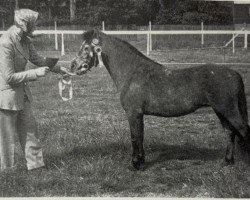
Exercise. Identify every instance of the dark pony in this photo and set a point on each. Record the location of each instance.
(148, 88)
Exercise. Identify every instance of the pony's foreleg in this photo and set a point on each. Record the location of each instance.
(137, 133)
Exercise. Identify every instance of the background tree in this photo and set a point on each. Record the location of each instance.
(16, 5)
(146, 10)
(72, 10)
(138, 12)
(194, 12)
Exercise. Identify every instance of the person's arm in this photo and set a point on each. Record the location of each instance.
(44, 61)
(7, 67)
(35, 58)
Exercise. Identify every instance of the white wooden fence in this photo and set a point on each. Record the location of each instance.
(149, 34)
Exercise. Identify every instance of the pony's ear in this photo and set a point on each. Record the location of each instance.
(96, 33)
(88, 36)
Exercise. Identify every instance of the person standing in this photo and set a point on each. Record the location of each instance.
(16, 117)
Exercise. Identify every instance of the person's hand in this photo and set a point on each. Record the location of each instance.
(42, 71)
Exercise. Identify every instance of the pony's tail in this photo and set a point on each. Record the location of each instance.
(243, 148)
(242, 102)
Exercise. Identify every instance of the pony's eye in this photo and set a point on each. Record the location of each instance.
(87, 48)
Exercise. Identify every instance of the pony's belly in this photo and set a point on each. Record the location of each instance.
(175, 108)
(171, 112)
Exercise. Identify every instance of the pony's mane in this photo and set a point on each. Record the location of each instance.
(89, 35)
(124, 43)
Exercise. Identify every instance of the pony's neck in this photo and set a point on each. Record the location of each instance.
(122, 59)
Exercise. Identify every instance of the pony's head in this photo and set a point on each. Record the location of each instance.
(89, 55)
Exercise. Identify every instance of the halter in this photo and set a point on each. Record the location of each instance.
(88, 67)
(98, 51)
(63, 82)
(66, 80)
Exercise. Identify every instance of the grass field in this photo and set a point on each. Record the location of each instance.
(87, 143)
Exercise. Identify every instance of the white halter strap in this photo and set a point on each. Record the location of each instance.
(62, 86)
(98, 51)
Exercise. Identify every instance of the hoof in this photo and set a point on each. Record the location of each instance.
(136, 165)
(142, 160)
(141, 167)
(227, 162)
(139, 164)
(131, 168)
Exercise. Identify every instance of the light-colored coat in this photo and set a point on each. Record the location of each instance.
(14, 55)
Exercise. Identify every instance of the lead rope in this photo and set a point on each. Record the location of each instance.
(63, 82)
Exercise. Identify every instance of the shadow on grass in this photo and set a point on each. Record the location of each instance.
(113, 150)
(183, 152)
(162, 153)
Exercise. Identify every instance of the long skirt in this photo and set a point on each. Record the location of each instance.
(23, 125)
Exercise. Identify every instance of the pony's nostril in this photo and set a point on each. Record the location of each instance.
(85, 66)
(72, 65)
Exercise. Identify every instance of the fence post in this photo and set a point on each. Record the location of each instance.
(63, 51)
(150, 36)
(233, 44)
(245, 41)
(56, 39)
(103, 26)
(3, 24)
(202, 34)
(148, 43)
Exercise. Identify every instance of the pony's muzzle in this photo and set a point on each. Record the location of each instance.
(83, 68)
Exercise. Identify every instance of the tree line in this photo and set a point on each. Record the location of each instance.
(137, 12)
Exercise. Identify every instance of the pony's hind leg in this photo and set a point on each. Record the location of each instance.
(241, 129)
(230, 132)
(229, 158)
(242, 143)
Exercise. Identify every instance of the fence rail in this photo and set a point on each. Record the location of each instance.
(149, 34)
(152, 32)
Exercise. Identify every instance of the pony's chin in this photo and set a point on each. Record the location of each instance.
(82, 71)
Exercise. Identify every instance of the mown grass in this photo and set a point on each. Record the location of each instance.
(87, 145)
